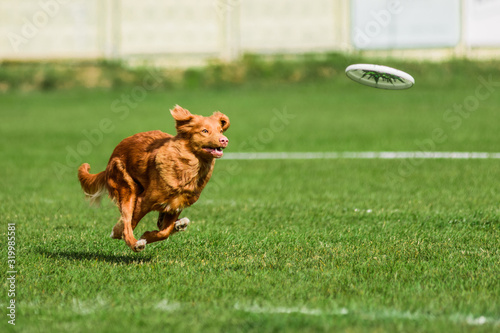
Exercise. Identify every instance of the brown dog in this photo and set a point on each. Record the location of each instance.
(157, 171)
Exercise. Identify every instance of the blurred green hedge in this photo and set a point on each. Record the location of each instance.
(29, 76)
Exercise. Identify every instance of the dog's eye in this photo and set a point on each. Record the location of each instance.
(205, 130)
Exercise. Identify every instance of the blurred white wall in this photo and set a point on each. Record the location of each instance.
(383, 24)
(225, 29)
(279, 25)
(39, 29)
(483, 23)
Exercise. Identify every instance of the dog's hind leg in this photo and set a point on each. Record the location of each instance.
(124, 193)
(117, 232)
(127, 209)
(139, 213)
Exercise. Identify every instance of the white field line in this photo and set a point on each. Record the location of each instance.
(88, 307)
(389, 155)
(371, 315)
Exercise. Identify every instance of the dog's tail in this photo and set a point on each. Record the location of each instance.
(94, 186)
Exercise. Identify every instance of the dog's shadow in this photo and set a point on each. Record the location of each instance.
(96, 256)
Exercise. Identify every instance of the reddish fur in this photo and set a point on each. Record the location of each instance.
(157, 171)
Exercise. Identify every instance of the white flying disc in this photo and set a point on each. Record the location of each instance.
(378, 76)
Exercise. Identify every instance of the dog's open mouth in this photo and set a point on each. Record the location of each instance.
(216, 152)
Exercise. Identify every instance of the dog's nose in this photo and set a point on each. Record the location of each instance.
(224, 141)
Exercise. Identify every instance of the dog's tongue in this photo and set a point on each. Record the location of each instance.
(216, 152)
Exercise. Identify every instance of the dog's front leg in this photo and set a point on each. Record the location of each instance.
(168, 224)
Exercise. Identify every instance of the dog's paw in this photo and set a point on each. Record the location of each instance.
(181, 225)
(140, 245)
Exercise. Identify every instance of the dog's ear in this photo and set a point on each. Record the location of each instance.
(183, 117)
(181, 114)
(223, 119)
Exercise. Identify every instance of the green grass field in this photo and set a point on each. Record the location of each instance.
(275, 245)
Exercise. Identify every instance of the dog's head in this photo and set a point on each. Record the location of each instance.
(204, 134)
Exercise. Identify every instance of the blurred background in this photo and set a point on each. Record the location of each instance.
(117, 58)
(186, 33)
